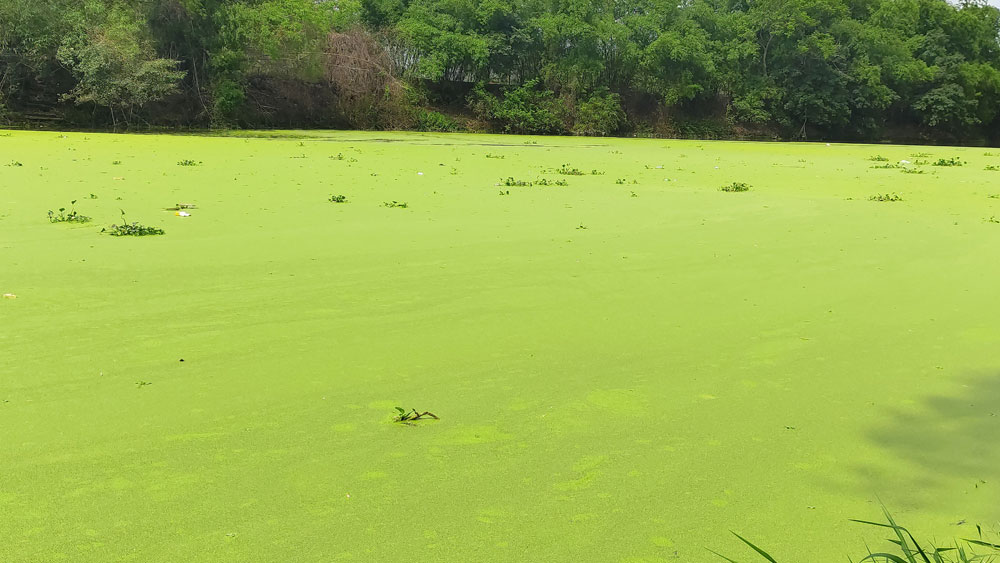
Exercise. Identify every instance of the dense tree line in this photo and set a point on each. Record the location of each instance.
(865, 69)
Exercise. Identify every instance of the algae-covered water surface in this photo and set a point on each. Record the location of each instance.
(626, 361)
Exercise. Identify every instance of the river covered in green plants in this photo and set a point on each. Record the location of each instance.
(627, 362)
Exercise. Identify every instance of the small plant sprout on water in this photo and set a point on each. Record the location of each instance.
(565, 170)
(511, 182)
(736, 187)
(72, 217)
(886, 197)
(547, 182)
(408, 417)
(338, 198)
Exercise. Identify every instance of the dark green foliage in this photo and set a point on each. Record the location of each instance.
(133, 229)
(886, 197)
(879, 158)
(768, 68)
(528, 109)
(736, 187)
(435, 121)
(912, 171)
(187, 162)
(14, 163)
(394, 203)
(992, 168)
(889, 165)
(112, 56)
(72, 217)
(599, 115)
(338, 198)
(953, 161)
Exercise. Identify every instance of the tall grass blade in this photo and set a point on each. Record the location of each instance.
(723, 556)
(879, 524)
(899, 534)
(755, 548)
(919, 549)
(887, 557)
(983, 543)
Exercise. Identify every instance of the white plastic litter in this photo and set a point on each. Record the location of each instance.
(182, 214)
(9, 296)
(904, 161)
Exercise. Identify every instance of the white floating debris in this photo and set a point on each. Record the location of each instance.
(904, 161)
(9, 296)
(182, 214)
(420, 173)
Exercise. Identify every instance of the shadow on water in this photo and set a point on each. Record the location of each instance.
(942, 446)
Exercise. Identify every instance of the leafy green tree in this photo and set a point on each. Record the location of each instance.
(601, 114)
(527, 109)
(113, 60)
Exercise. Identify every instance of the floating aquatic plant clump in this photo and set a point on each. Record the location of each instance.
(72, 217)
(133, 229)
(736, 187)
